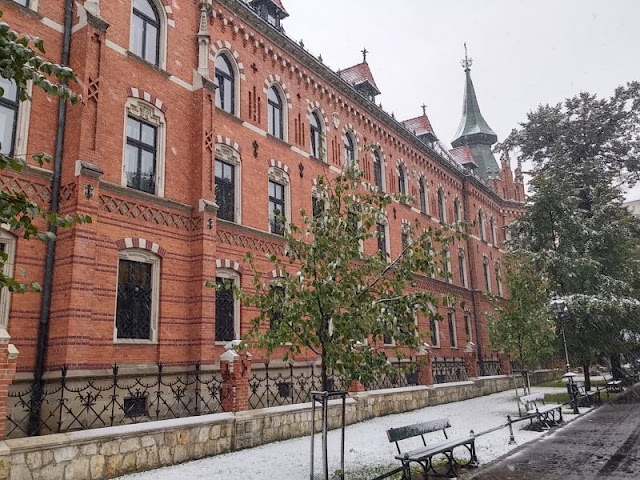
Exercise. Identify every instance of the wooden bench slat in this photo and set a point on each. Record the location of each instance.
(409, 431)
(430, 450)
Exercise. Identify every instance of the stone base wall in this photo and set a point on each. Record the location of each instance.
(105, 453)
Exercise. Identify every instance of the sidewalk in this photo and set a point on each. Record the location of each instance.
(367, 448)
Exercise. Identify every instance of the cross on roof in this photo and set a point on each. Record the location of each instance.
(467, 62)
(424, 109)
(364, 54)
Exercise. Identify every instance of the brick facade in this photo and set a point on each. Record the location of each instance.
(180, 226)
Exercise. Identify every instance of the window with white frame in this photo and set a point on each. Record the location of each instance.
(462, 267)
(138, 296)
(457, 217)
(442, 211)
(468, 330)
(14, 118)
(276, 113)
(226, 84)
(144, 147)
(487, 275)
(492, 226)
(227, 183)
(149, 32)
(446, 264)
(8, 251)
(378, 170)
(316, 135)
(481, 225)
(451, 321)
(424, 205)
(227, 321)
(279, 200)
(349, 150)
(498, 279)
(382, 237)
(402, 180)
(434, 329)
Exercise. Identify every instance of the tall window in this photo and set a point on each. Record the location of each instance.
(456, 213)
(377, 170)
(275, 316)
(137, 296)
(317, 206)
(423, 196)
(145, 31)
(492, 227)
(451, 320)
(7, 247)
(275, 113)
(349, 151)
(435, 337)
(225, 81)
(225, 330)
(382, 237)
(462, 268)
(225, 190)
(402, 185)
(446, 264)
(406, 240)
(441, 206)
(498, 279)
(277, 210)
(487, 278)
(140, 157)
(467, 326)
(316, 135)
(481, 225)
(8, 116)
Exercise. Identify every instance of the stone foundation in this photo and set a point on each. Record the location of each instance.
(109, 452)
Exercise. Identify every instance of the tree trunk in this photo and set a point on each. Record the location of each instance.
(587, 377)
(616, 369)
(323, 372)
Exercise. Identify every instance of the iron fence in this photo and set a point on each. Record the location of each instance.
(446, 370)
(489, 366)
(400, 374)
(69, 404)
(272, 387)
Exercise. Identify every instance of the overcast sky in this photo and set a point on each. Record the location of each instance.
(525, 52)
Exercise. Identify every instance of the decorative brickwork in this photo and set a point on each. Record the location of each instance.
(147, 97)
(155, 216)
(230, 264)
(249, 243)
(142, 244)
(35, 191)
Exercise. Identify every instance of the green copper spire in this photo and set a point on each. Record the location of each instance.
(473, 130)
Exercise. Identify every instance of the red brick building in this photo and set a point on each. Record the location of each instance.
(179, 100)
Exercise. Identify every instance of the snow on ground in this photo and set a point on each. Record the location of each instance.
(366, 443)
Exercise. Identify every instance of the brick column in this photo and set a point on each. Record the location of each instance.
(236, 369)
(424, 362)
(505, 363)
(356, 386)
(470, 360)
(8, 356)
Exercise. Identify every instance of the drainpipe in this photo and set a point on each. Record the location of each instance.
(472, 278)
(45, 306)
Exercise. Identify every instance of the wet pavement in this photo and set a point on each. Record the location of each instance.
(604, 444)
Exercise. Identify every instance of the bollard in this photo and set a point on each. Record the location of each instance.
(512, 439)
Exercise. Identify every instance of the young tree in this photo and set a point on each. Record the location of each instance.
(337, 301)
(523, 325)
(21, 62)
(584, 152)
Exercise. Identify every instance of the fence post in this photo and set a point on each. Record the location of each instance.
(236, 370)
(470, 360)
(505, 364)
(8, 357)
(424, 364)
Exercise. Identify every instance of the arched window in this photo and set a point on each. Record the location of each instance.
(498, 278)
(316, 135)
(423, 196)
(492, 226)
(275, 110)
(225, 81)
(349, 151)
(402, 180)
(145, 31)
(377, 170)
(456, 213)
(462, 268)
(227, 307)
(441, 207)
(481, 225)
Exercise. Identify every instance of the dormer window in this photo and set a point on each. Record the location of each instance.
(271, 11)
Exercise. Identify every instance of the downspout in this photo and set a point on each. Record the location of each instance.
(472, 279)
(45, 306)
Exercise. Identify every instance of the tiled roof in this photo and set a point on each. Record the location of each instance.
(278, 4)
(419, 125)
(463, 155)
(359, 74)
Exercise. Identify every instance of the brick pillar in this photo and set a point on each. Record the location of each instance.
(505, 363)
(424, 362)
(356, 386)
(236, 369)
(8, 356)
(470, 360)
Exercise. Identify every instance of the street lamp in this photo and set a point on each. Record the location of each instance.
(562, 312)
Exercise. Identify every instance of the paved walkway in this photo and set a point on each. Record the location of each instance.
(602, 445)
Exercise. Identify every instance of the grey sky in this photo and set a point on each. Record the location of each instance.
(525, 52)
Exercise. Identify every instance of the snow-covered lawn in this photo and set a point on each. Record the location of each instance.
(367, 446)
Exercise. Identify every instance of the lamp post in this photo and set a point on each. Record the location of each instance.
(562, 312)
